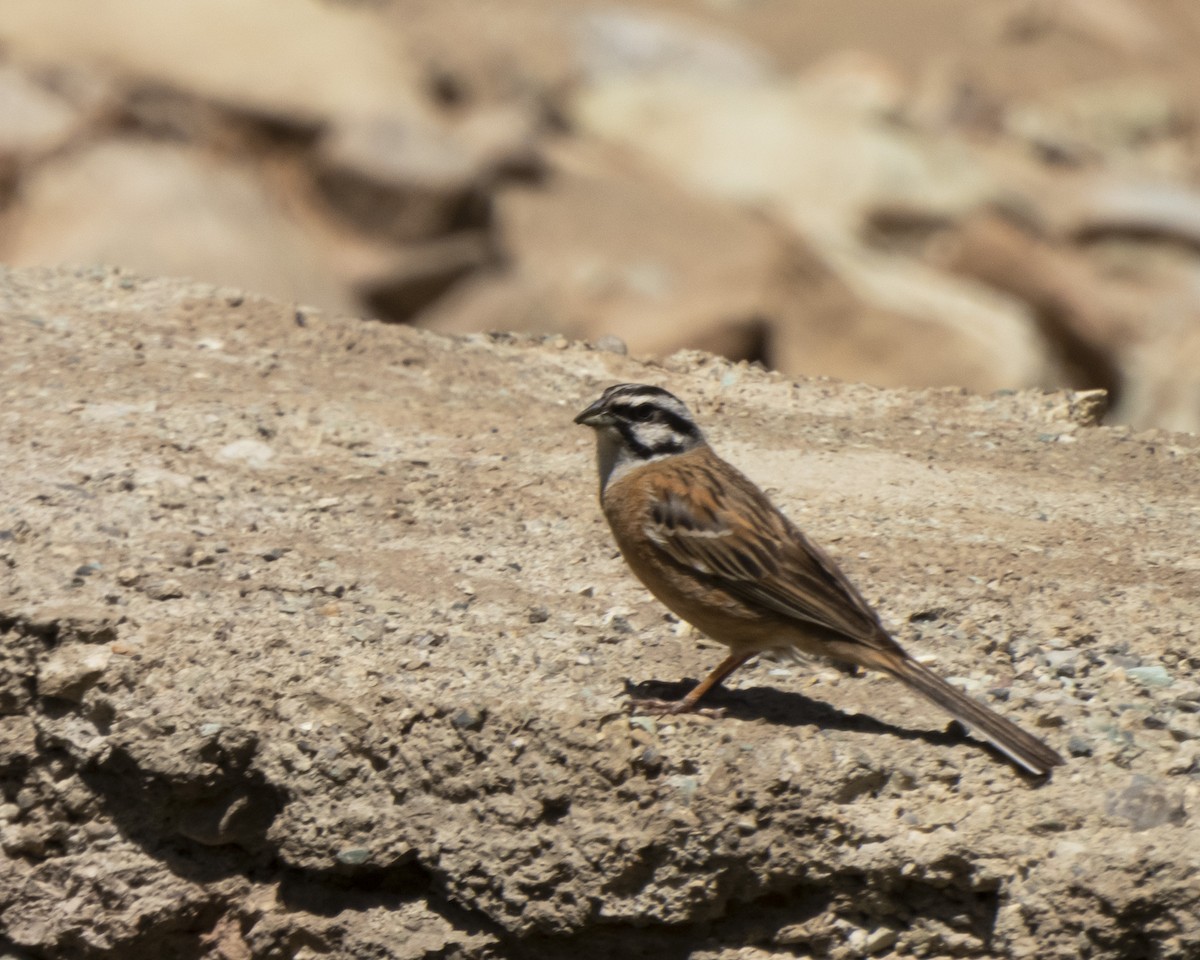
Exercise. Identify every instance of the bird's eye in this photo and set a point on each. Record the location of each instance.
(643, 413)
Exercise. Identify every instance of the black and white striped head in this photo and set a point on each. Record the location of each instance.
(636, 423)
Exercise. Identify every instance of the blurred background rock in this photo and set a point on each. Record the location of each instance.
(993, 195)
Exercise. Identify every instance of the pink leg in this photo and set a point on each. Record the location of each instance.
(689, 703)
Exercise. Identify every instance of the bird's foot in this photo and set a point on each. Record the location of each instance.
(670, 708)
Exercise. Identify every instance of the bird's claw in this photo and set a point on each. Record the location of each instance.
(670, 708)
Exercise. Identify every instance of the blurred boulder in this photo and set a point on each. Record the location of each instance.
(33, 119)
(398, 180)
(820, 152)
(402, 179)
(614, 42)
(398, 283)
(1086, 319)
(909, 324)
(1140, 209)
(815, 190)
(299, 60)
(821, 155)
(1121, 26)
(1121, 312)
(593, 252)
(1164, 380)
(166, 209)
(1094, 122)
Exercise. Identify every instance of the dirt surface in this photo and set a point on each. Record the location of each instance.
(315, 644)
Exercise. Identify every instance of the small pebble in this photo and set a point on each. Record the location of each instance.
(167, 589)
(857, 942)
(1145, 803)
(1186, 759)
(354, 856)
(880, 939)
(1156, 676)
(620, 624)
(684, 784)
(610, 343)
(1079, 747)
(1063, 662)
(253, 453)
(1184, 726)
(471, 719)
(367, 632)
(71, 670)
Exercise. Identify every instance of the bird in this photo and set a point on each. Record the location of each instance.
(712, 548)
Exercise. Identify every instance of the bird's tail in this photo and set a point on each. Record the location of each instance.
(1024, 748)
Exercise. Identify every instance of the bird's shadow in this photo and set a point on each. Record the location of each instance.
(789, 709)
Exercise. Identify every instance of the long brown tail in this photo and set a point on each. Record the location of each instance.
(1004, 735)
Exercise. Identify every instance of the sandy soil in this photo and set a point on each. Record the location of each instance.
(316, 644)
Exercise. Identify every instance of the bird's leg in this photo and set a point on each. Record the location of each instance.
(689, 703)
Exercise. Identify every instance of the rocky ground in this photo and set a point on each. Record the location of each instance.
(315, 644)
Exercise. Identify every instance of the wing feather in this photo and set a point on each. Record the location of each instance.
(715, 525)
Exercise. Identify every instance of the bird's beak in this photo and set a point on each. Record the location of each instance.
(596, 415)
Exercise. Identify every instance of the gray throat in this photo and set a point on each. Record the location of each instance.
(615, 457)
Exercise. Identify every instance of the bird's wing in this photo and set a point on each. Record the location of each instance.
(720, 525)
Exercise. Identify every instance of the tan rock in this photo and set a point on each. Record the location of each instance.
(817, 155)
(398, 180)
(33, 120)
(302, 60)
(69, 670)
(167, 209)
(593, 252)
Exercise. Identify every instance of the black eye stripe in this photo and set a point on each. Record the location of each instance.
(645, 412)
(644, 451)
(635, 411)
(680, 424)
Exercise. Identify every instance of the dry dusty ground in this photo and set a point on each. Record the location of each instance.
(315, 644)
